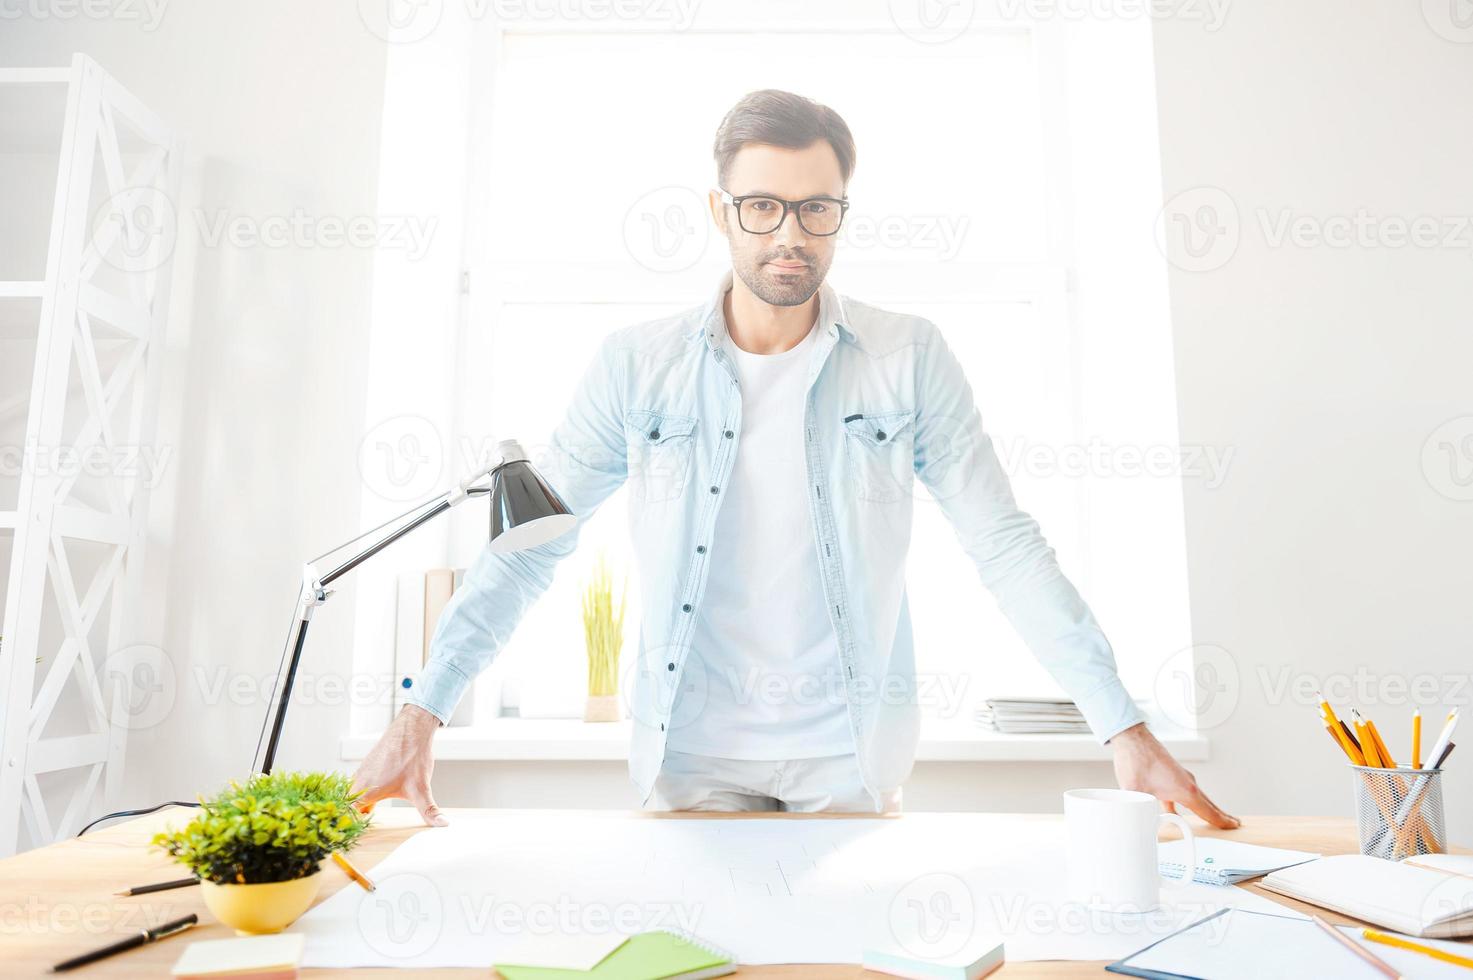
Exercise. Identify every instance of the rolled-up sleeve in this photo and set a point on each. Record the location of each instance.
(585, 463)
(955, 460)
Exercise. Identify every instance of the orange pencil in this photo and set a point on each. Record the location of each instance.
(1381, 748)
(1328, 711)
(1416, 738)
(1371, 959)
(353, 872)
(1349, 750)
(1367, 745)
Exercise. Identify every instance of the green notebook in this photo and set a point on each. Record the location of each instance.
(647, 956)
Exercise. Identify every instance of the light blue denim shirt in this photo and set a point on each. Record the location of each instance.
(888, 411)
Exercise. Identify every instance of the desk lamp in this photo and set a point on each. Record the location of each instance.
(525, 512)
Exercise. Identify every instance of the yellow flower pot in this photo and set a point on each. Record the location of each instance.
(253, 910)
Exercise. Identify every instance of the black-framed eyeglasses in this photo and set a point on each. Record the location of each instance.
(761, 214)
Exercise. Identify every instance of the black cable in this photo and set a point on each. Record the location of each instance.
(133, 813)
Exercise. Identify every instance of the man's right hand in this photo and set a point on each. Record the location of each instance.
(399, 766)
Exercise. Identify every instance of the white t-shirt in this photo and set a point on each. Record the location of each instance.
(763, 672)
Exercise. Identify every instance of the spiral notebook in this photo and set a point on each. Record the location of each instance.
(647, 956)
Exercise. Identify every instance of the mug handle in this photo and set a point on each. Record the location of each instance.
(1186, 833)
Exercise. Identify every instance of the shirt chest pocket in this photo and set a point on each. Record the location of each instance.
(880, 451)
(660, 446)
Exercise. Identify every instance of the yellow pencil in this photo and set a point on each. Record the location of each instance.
(1351, 749)
(1325, 707)
(1416, 738)
(353, 872)
(1367, 745)
(1381, 748)
(1400, 943)
(1345, 746)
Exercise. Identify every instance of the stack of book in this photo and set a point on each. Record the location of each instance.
(1031, 716)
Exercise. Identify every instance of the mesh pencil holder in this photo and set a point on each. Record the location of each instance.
(1399, 811)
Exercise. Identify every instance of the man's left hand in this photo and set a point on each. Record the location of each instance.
(1143, 764)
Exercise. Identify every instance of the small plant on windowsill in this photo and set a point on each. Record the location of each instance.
(603, 636)
(258, 847)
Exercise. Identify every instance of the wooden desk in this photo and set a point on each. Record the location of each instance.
(58, 901)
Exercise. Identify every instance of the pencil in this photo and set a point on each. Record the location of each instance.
(1368, 746)
(1416, 738)
(1381, 748)
(1356, 948)
(1325, 707)
(353, 872)
(1400, 943)
(1350, 751)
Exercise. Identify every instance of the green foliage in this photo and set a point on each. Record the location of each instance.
(274, 828)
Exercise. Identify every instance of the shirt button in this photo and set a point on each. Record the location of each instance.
(880, 435)
(669, 666)
(728, 433)
(713, 490)
(700, 549)
(654, 433)
(685, 608)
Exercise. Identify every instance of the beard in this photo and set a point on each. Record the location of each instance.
(777, 289)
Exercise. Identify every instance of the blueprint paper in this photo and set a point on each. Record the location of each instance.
(766, 890)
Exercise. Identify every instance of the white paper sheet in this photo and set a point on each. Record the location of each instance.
(1278, 947)
(770, 891)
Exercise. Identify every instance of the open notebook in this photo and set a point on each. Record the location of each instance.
(1227, 862)
(1430, 895)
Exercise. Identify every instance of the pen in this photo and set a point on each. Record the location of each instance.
(1356, 948)
(1444, 737)
(160, 886)
(1400, 943)
(353, 872)
(132, 942)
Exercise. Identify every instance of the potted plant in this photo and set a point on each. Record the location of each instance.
(258, 847)
(603, 636)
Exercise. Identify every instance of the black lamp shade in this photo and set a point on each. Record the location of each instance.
(525, 511)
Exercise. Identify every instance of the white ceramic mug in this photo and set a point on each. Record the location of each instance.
(1113, 862)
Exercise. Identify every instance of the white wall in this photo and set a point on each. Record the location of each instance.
(1329, 549)
(279, 103)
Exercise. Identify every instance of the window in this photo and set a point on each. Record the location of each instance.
(1006, 185)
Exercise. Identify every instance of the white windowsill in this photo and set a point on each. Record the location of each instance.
(570, 740)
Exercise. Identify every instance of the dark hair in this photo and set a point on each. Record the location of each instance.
(778, 118)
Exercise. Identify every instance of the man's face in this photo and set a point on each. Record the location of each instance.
(787, 266)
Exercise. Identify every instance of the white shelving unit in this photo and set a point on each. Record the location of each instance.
(84, 293)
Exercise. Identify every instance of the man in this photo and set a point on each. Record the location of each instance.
(771, 439)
